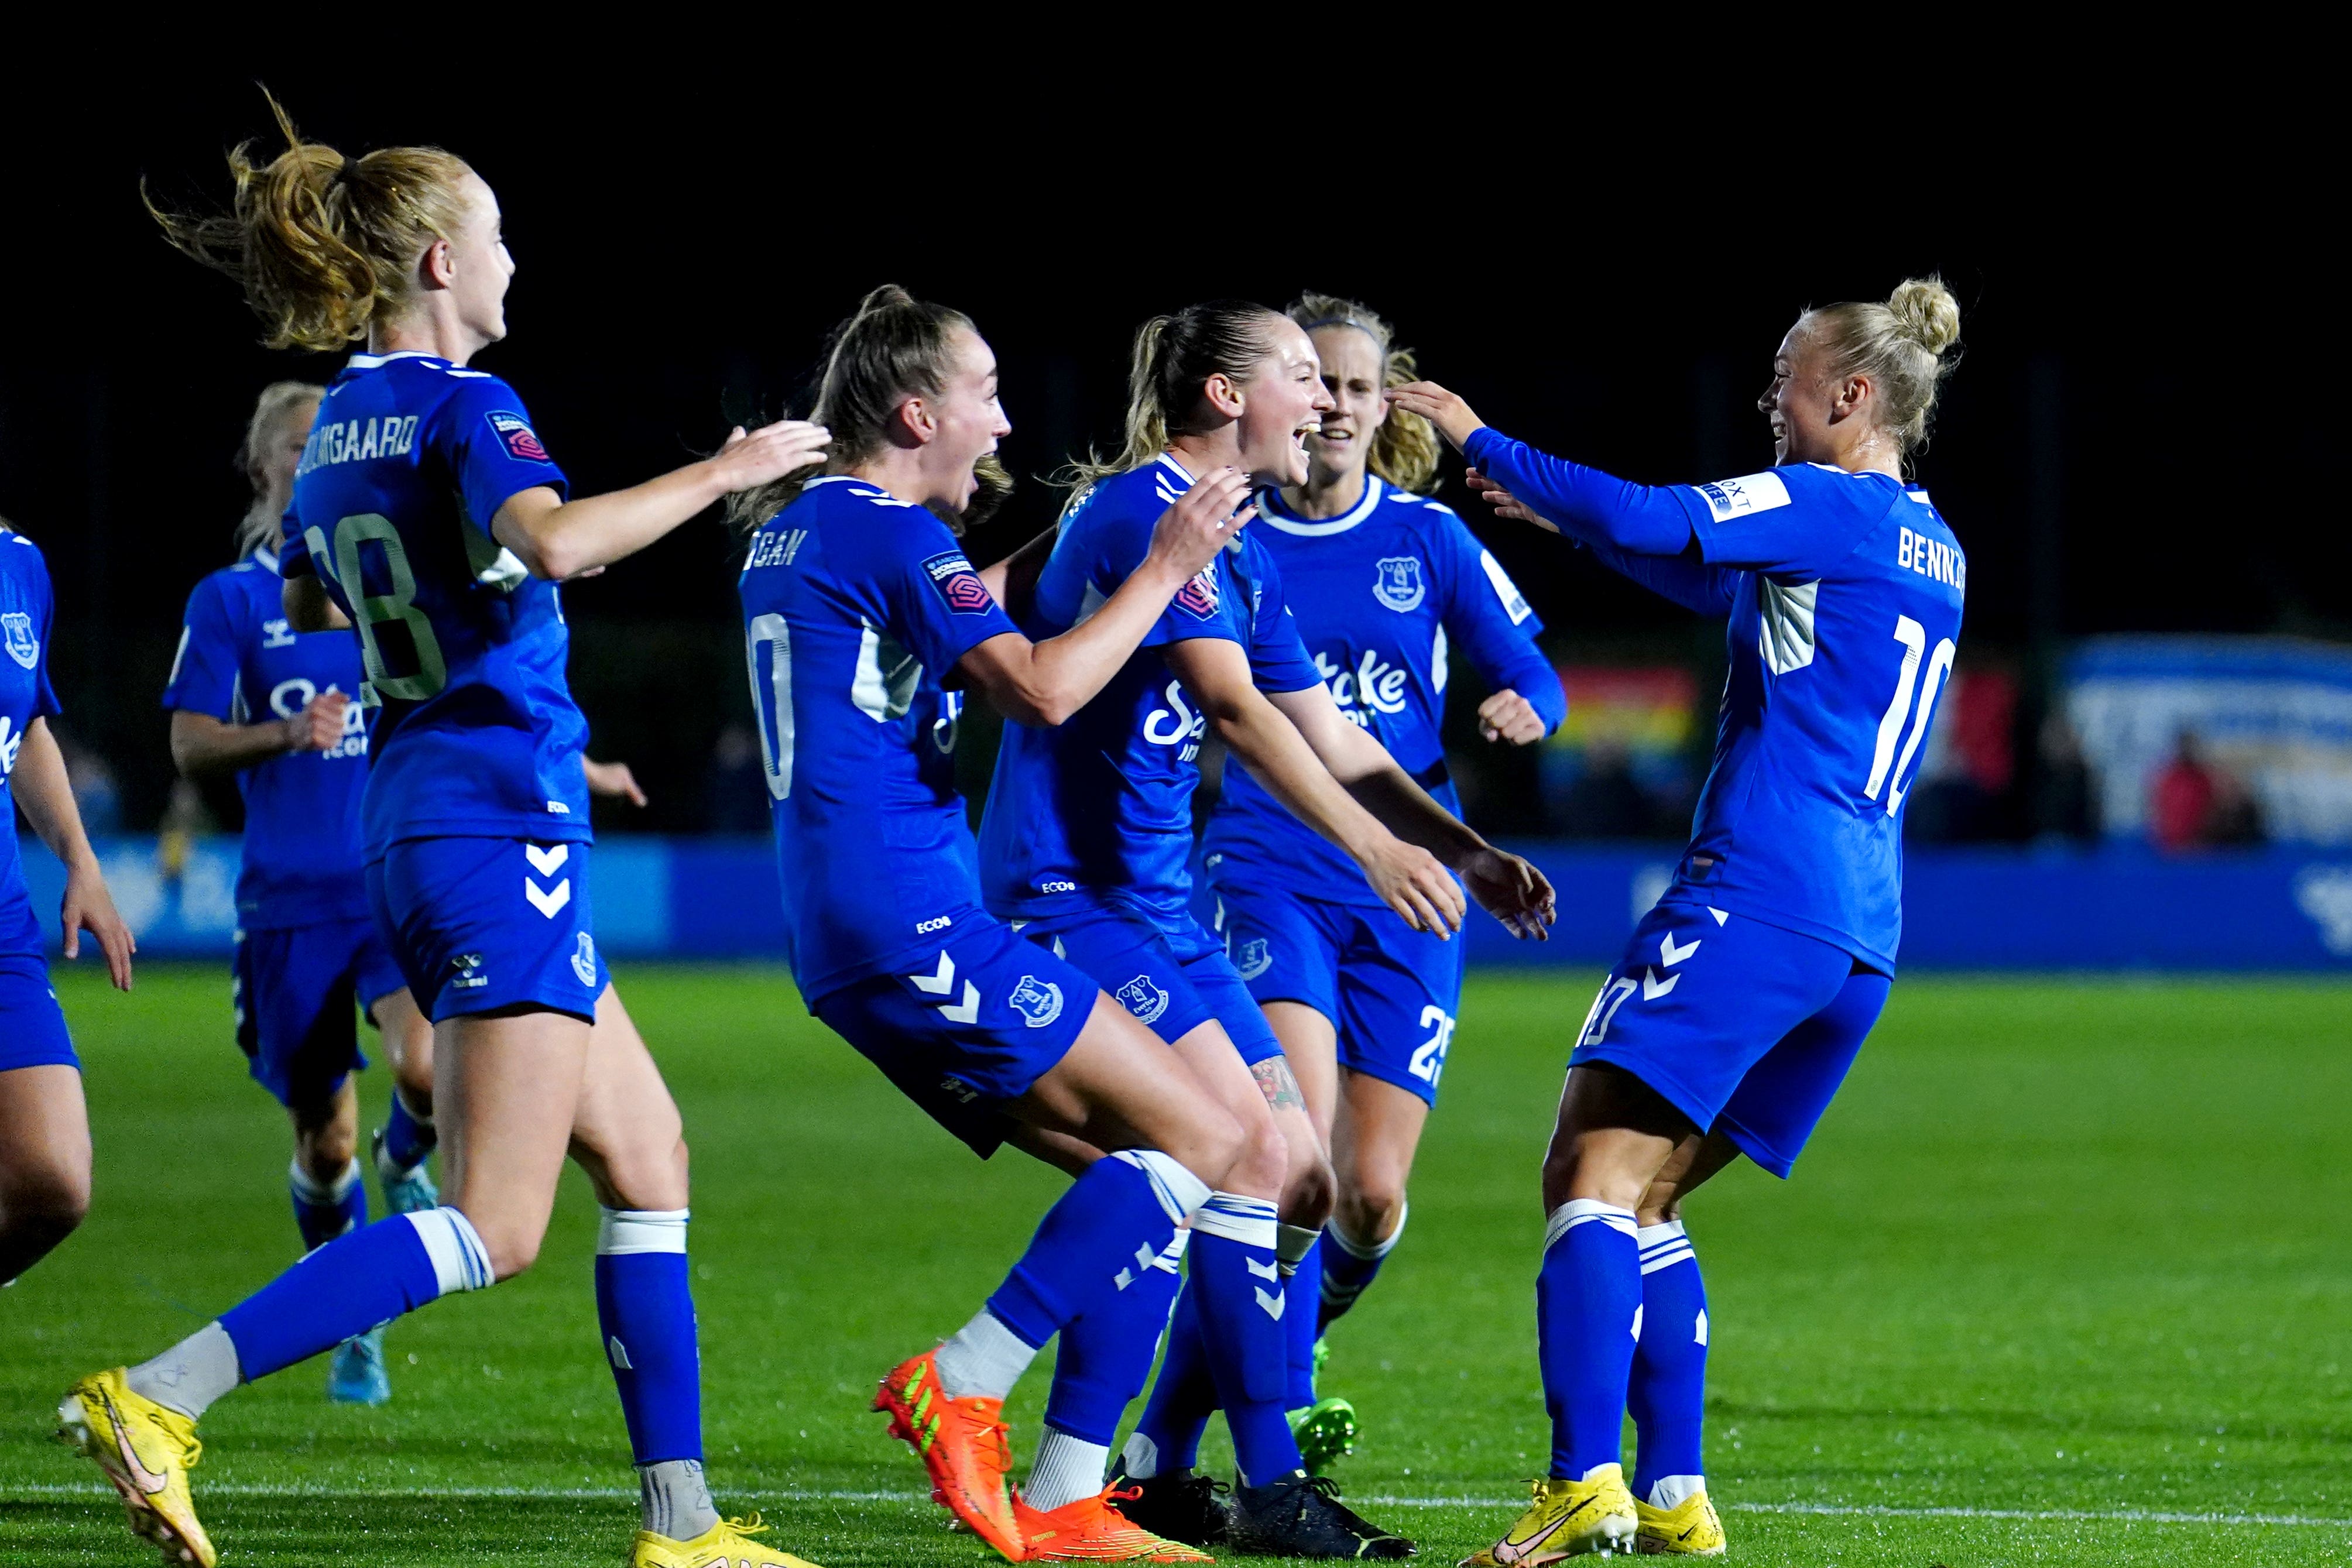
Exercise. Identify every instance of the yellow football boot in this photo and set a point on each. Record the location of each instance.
(726, 1544)
(1690, 1529)
(146, 1450)
(1566, 1518)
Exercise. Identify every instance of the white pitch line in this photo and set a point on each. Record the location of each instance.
(615, 1494)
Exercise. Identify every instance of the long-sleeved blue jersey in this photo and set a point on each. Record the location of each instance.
(1379, 593)
(1845, 593)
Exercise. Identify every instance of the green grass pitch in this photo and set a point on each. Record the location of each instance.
(2066, 1276)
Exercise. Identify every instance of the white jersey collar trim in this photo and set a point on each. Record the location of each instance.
(1181, 472)
(1270, 509)
(268, 560)
(370, 362)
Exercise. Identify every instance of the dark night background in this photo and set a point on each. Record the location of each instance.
(2141, 437)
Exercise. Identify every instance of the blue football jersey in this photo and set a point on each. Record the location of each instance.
(1380, 594)
(26, 609)
(1845, 593)
(855, 605)
(477, 736)
(1101, 806)
(240, 662)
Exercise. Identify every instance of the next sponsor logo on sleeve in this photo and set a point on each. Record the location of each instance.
(514, 432)
(1731, 499)
(960, 586)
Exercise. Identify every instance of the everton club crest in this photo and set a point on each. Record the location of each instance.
(23, 647)
(1398, 586)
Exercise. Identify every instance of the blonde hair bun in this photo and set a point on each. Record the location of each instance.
(1926, 312)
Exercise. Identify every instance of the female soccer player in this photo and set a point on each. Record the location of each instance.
(1086, 842)
(427, 511)
(1745, 995)
(1380, 581)
(858, 601)
(43, 1126)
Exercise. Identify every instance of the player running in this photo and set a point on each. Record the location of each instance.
(43, 1125)
(858, 601)
(1745, 993)
(1381, 581)
(250, 696)
(1086, 843)
(427, 511)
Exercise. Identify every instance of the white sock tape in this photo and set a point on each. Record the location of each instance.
(1586, 1210)
(1180, 1193)
(460, 1261)
(621, 1232)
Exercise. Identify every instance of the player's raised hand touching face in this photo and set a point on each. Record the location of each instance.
(1513, 892)
(768, 452)
(1453, 417)
(1202, 522)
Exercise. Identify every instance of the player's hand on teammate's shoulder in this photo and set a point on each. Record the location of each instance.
(320, 725)
(1507, 715)
(757, 457)
(1505, 505)
(613, 780)
(1201, 521)
(1445, 410)
(1416, 884)
(1513, 890)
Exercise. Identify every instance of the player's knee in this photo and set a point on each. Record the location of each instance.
(326, 1153)
(1264, 1161)
(1309, 1188)
(1368, 1210)
(510, 1248)
(47, 1200)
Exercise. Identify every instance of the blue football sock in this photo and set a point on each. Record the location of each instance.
(1168, 1437)
(1242, 1305)
(1350, 1266)
(1114, 1220)
(1300, 1251)
(349, 1286)
(1588, 1301)
(1667, 1394)
(324, 1210)
(1105, 1353)
(644, 1308)
(408, 1140)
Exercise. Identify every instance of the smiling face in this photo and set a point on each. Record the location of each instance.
(475, 266)
(966, 420)
(1800, 403)
(1283, 404)
(1353, 373)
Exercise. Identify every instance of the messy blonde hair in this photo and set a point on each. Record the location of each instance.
(1404, 448)
(894, 347)
(258, 529)
(1169, 368)
(324, 243)
(1903, 346)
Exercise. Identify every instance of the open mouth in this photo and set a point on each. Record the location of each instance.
(1299, 436)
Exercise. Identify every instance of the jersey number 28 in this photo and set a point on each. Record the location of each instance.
(372, 611)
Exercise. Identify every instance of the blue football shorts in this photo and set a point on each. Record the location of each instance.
(966, 1031)
(1391, 992)
(478, 924)
(32, 1027)
(295, 991)
(1170, 974)
(1741, 1025)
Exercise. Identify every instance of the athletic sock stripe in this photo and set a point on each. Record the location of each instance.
(1586, 1211)
(624, 1231)
(1376, 1250)
(460, 1262)
(1249, 1220)
(1666, 1260)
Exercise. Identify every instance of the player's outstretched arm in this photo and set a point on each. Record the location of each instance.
(1505, 886)
(43, 789)
(1689, 582)
(559, 539)
(1409, 879)
(204, 747)
(1046, 683)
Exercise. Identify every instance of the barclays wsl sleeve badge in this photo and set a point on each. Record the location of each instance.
(516, 435)
(23, 647)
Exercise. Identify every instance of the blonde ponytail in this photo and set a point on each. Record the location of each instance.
(1904, 346)
(323, 244)
(1170, 363)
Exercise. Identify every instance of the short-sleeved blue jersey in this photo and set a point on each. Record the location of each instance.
(240, 662)
(1379, 593)
(28, 606)
(1101, 806)
(855, 605)
(408, 461)
(1845, 593)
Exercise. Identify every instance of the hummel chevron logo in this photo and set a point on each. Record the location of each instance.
(549, 901)
(969, 1012)
(1652, 987)
(547, 860)
(1264, 1270)
(940, 983)
(1673, 955)
(1272, 1304)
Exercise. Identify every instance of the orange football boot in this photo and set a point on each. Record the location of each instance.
(1092, 1530)
(964, 1445)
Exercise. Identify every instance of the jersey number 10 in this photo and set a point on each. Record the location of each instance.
(1914, 638)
